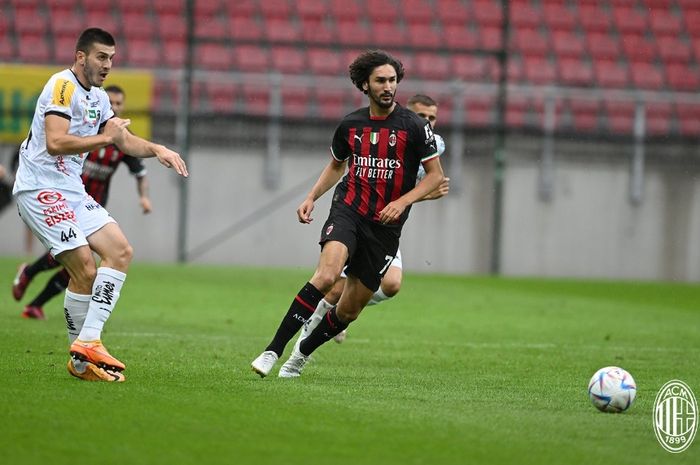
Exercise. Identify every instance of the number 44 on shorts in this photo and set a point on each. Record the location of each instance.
(67, 237)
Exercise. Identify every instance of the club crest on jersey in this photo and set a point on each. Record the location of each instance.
(374, 138)
(392, 139)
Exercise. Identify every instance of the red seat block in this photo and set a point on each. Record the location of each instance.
(325, 61)
(647, 76)
(289, 60)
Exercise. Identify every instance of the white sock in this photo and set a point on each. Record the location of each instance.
(105, 293)
(75, 309)
(322, 308)
(378, 297)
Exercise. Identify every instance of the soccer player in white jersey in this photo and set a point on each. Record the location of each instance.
(390, 285)
(73, 117)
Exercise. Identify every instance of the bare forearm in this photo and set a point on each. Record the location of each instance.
(67, 144)
(137, 147)
(424, 188)
(329, 177)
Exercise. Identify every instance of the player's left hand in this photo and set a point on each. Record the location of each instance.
(392, 212)
(172, 160)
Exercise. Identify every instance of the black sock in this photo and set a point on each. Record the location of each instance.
(57, 284)
(329, 327)
(43, 263)
(303, 306)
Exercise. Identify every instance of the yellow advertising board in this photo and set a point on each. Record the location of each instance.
(20, 86)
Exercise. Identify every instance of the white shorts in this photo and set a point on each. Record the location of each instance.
(61, 220)
(395, 262)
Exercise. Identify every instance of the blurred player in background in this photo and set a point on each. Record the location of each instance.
(98, 169)
(383, 145)
(426, 108)
(72, 117)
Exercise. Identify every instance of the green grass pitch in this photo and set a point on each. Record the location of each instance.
(455, 370)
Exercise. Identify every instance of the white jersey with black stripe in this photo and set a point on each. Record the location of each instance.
(440, 142)
(86, 109)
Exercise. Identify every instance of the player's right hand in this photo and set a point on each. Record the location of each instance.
(115, 129)
(304, 211)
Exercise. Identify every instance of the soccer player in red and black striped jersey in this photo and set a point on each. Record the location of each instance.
(382, 146)
(98, 169)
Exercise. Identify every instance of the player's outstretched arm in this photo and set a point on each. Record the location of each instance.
(138, 147)
(329, 177)
(442, 190)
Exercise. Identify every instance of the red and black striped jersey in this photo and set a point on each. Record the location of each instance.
(383, 154)
(99, 167)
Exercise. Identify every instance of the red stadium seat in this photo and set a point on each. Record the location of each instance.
(281, 30)
(575, 72)
(211, 28)
(517, 109)
(143, 53)
(205, 9)
(381, 11)
(459, 37)
(487, 13)
(172, 27)
(221, 96)
(603, 46)
(251, 58)
(325, 61)
(106, 21)
(64, 50)
(540, 70)
(174, 53)
(243, 28)
(559, 16)
(388, 34)
(673, 50)
(7, 47)
(568, 45)
(472, 68)
(343, 10)
(620, 116)
(452, 12)
(658, 118)
(480, 110)
(433, 66)
(66, 24)
(296, 102)
(611, 74)
(688, 118)
(169, 7)
(692, 22)
(30, 24)
(424, 35)
(638, 48)
(353, 33)
(529, 42)
(629, 20)
(318, 31)
(33, 49)
(280, 9)
(288, 60)
(312, 8)
(242, 8)
(130, 6)
(594, 19)
(138, 26)
(525, 15)
(647, 76)
(331, 103)
(683, 78)
(416, 11)
(256, 99)
(491, 38)
(663, 22)
(213, 57)
(585, 114)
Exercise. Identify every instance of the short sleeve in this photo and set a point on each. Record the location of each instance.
(340, 148)
(136, 166)
(60, 98)
(426, 145)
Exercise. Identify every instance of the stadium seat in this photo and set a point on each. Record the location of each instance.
(525, 15)
(568, 45)
(30, 24)
(388, 34)
(459, 37)
(487, 13)
(696, 48)
(211, 28)
(529, 42)
(64, 50)
(330, 102)
(66, 24)
(318, 31)
(251, 58)
(288, 60)
(104, 20)
(143, 53)
(646, 76)
(416, 11)
(664, 22)
(594, 19)
(692, 22)
(256, 99)
(491, 38)
(343, 10)
(682, 77)
(33, 49)
(473, 68)
(174, 53)
(584, 114)
(674, 50)
(603, 46)
(7, 47)
(281, 30)
(479, 110)
(221, 96)
(169, 7)
(279, 9)
(325, 61)
(688, 118)
(5, 25)
(452, 13)
(317, 9)
(517, 110)
(213, 57)
(353, 32)
(296, 102)
(539, 70)
(130, 6)
(638, 48)
(573, 72)
(171, 27)
(423, 35)
(611, 74)
(381, 11)
(138, 26)
(241, 8)
(206, 9)
(243, 28)
(433, 66)
(658, 118)
(629, 21)
(559, 17)
(620, 116)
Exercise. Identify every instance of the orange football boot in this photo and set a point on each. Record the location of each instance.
(94, 352)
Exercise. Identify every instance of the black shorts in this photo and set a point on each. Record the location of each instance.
(371, 246)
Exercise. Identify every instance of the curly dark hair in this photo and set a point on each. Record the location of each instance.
(362, 67)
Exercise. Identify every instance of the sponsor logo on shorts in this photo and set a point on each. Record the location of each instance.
(50, 197)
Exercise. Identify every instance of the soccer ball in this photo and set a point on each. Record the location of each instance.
(612, 389)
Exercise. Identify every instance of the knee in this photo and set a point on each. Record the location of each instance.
(391, 286)
(347, 314)
(84, 276)
(121, 256)
(324, 279)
